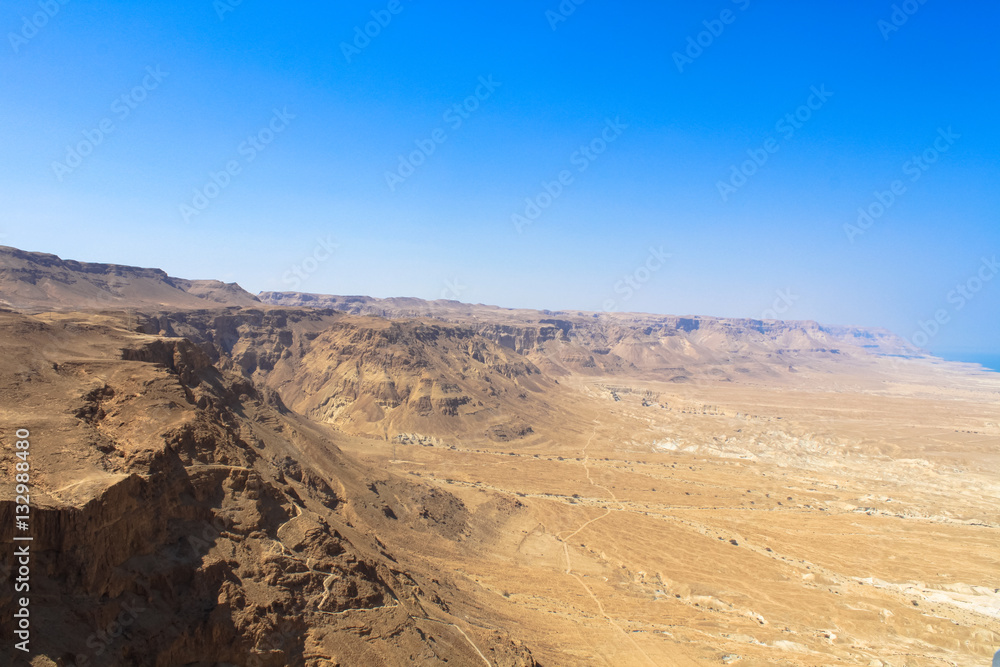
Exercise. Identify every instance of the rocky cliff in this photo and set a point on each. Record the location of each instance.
(370, 376)
(182, 516)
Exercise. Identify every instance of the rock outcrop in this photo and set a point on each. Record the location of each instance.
(180, 518)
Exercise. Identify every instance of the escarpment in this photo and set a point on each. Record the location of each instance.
(181, 518)
(368, 376)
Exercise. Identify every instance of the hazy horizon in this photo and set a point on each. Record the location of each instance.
(730, 159)
(985, 358)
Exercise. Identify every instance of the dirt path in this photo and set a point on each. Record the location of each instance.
(569, 566)
(461, 631)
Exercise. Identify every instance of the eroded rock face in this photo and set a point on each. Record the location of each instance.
(361, 373)
(181, 518)
(655, 347)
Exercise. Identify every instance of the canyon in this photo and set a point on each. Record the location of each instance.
(318, 480)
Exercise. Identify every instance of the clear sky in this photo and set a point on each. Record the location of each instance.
(704, 157)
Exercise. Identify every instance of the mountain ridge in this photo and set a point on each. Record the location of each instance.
(22, 270)
(38, 281)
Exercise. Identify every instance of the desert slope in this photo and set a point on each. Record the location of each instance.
(238, 530)
(350, 481)
(39, 281)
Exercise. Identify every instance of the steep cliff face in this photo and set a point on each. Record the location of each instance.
(371, 376)
(182, 517)
(523, 339)
(428, 378)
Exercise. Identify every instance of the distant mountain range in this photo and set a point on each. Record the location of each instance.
(608, 342)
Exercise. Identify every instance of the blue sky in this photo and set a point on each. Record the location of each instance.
(656, 151)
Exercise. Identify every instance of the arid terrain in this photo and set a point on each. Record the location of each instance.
(295, 479)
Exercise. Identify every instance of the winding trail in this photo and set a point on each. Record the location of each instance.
(586, 468)
(569, 566)
(471, 643)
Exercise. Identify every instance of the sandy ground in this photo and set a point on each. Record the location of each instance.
(825, 523)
